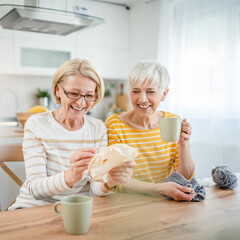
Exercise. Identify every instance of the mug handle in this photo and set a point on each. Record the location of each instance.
(55, 208)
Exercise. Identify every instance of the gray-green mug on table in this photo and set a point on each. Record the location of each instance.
(76, 213)
(170, 129)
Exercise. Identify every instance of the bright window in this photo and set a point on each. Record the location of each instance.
(205, 57)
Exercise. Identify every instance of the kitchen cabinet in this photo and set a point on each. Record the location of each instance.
(12, 44)
(6, 56)
(111, 63)
(24, 50)
(105, 45)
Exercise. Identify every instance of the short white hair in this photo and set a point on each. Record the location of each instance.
(145, 72)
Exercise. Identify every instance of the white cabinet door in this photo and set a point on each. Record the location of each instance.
(37, 52)
(107, 45)
(6, 55)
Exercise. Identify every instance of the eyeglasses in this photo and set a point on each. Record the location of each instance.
(76, 96)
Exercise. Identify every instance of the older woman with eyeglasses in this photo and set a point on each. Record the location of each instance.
(58, 145)
(139, 128)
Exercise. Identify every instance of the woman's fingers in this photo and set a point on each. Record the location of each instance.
(181, 196)
(84, 153)
(79, 162)
(185, 136)
(186, 126)
(119, 179)
(186, 131)
(121, 175)
(130, 164)
(185, 189)
(121, 169)
(127, 167)
(81, 158)
(184, 193)
(82, 162)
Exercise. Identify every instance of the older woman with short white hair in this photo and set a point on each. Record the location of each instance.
(58, 145)
(139, 128)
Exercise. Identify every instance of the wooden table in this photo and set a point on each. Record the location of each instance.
(130, 216)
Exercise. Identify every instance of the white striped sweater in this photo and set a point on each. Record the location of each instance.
(47, 148)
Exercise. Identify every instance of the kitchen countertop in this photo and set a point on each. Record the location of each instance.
(11, 135)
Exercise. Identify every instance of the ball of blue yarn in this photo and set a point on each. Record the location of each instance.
(224, 177)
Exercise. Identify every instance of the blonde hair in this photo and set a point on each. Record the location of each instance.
(145, 72)
(78, 67)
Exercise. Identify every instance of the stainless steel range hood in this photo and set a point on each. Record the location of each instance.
(44, 20)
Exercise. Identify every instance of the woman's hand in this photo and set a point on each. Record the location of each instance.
(79, 162)
(185, 132)
(175, 191)
(121, 175)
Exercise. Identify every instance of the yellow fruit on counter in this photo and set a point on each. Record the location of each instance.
(37, 109)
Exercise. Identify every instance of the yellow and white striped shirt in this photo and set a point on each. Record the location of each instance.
(156, 159)
(47, 148)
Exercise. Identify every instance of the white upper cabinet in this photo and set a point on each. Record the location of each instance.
(6, 54)
(106, 45)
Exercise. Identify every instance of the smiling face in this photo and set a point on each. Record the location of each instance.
(146, 99)
(74, 85)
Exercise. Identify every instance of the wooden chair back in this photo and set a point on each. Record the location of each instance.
(11, 153)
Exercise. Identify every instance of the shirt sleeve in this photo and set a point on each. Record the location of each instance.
(40, 186)
(96, 189)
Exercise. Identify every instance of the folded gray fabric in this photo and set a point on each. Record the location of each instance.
(199, 190)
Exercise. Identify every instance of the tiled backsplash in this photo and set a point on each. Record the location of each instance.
(17, 93)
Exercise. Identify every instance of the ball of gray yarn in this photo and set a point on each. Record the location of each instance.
(224, 177)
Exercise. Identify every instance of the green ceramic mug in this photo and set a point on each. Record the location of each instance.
(170, 129)
(76, 213)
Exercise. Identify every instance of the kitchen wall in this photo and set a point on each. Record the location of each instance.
(24, 87)
(144, 30)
